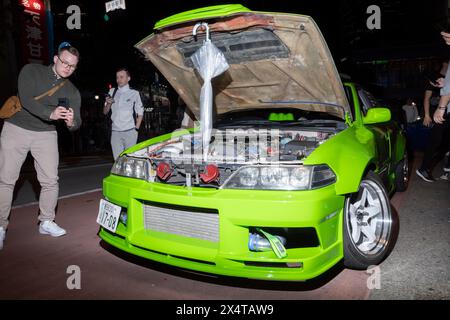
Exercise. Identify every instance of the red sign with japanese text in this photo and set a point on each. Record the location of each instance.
(33, 33)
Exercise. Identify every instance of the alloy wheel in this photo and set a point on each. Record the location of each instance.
(369, 219)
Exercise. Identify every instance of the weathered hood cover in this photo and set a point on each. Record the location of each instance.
(275, 59)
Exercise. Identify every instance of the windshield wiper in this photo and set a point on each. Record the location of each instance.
(303, 102)
(301, 122)
(227, 123)
(319, 121)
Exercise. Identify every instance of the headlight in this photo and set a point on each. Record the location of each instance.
(249, 178)
(131, 167)
(274, 177)
(280, 178)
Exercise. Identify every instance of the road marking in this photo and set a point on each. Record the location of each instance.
(62, 197)
(68, 167)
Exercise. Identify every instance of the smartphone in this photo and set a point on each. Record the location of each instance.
(63, 102)
(107, 95)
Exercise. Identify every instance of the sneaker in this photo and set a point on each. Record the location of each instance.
(425, 175)
(444, 176)
(2, 237)
(447, 168)
(51, 228)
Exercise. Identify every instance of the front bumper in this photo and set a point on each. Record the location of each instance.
(238, 212)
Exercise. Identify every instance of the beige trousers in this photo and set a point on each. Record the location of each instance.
(15, 143)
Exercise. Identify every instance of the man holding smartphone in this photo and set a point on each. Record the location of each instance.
(33, 129)
(126, 113)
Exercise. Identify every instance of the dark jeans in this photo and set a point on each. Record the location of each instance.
(438, 143)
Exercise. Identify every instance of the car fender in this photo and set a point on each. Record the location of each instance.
(399, 147)
(349, 154)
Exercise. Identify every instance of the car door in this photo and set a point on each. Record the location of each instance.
(382, 133)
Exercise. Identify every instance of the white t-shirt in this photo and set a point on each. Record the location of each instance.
(122, 109)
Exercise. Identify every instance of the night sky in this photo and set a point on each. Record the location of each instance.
(107, 45)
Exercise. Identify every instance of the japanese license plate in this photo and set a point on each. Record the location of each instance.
(108, 215)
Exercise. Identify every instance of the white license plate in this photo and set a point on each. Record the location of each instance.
(108, 215)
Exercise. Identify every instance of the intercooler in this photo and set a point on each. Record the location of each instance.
(189, 222)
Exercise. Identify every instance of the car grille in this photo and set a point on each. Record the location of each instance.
(190, 222)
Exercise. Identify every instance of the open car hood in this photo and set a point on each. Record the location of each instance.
(275, 59)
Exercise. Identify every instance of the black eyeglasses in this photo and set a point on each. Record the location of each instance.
(67, 65)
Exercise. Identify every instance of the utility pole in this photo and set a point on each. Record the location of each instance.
(50, 34)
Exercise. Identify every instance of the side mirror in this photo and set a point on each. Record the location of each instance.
(377, 115)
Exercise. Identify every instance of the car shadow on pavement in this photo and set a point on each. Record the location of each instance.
(309, 285)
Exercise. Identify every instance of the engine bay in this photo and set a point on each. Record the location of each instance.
(180, 160)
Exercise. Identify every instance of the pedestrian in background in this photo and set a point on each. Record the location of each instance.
(432, 94)
(126, 113)
(440, 132)
(33, 129)
(410, 110)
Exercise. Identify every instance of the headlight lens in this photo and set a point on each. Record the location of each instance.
(300, 177)
(131, 167)
(275, 177)
(249, 177)
(280, 178)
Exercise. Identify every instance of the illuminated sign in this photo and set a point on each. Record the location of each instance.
(114, 5)
(34, 45)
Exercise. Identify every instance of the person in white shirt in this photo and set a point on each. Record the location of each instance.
(126, 113)
(410, 110)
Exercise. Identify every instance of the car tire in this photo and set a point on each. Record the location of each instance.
(370, 225)
(402, 174)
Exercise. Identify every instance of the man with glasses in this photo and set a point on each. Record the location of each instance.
(34, 129)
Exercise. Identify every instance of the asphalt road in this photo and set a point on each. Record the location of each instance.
(33, 266)
(73, 179)
(419, 265)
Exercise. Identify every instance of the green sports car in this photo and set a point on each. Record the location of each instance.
(293, 173)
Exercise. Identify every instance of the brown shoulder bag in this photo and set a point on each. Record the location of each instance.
(12, 105)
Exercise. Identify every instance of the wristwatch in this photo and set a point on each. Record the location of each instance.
(136, 128)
